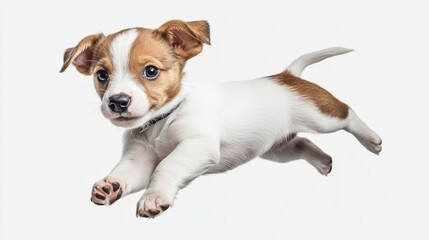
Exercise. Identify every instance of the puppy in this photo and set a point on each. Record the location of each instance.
(176, 133)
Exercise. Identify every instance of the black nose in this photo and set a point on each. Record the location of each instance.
(119, 103)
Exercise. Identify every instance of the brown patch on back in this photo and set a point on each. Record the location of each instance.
(148, 49)
(325, 101)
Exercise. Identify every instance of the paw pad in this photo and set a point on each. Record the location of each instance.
(102, 193)
(151, 206)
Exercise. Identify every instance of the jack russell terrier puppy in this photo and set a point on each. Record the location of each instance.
(176, 133)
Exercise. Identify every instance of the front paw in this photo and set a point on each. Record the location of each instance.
(151, 205)
(106, 191)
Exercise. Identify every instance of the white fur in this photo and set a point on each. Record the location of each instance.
(123, 82)
(120, 50)
(219, 127)
(297, 66)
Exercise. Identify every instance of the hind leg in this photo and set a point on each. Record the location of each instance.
(322, 123)
(300, 148)
(367, 137)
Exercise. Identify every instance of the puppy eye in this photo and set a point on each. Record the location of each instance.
(150, 72)
(102, 76)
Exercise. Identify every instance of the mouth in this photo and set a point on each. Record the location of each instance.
(126, 122)
(125, 119)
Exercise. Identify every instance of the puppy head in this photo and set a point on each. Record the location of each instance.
(138, 71)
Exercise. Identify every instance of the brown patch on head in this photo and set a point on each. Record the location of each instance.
(325, 101)
(149, 50)
(167, 48)
(103, 63)
(102, 60)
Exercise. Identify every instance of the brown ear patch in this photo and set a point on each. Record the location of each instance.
(81, 55)
(325, 101)
(183, 40)
(186, 38)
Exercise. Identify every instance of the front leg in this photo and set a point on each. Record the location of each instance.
(188, 160)
(131, 174)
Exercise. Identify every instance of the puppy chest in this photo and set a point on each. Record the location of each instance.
(164, 145)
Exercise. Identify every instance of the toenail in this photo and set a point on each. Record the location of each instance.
(153, 212)
(164, 207)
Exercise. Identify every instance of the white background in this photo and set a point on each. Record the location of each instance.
(55, 143)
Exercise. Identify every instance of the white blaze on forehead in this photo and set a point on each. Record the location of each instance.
(123, 82)
(120, 49)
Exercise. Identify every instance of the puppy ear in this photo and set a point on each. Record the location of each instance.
(186, 38)
(81, 55)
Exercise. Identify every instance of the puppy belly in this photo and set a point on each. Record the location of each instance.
(253, 115)
(234, 156)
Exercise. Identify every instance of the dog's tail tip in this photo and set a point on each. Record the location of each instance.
(298, 66)
(340, 49)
